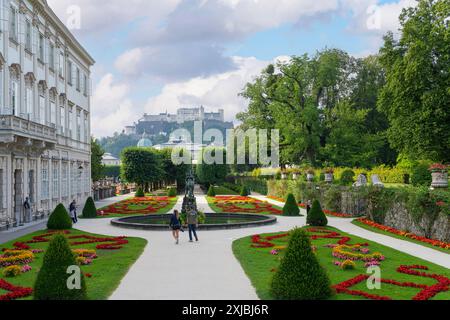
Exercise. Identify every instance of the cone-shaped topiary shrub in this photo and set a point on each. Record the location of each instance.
(316, 217)
(89, 210)
(211, 191)
(300, 276)
(140, 193)
(59, 219)
(245, 192)
(291, 208)
(53, 280)
(172, 192)
(347, 177)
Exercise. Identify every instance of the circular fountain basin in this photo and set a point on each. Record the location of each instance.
(214, 221)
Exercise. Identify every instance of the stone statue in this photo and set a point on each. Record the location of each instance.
(376, 181)
(189, 201)
(361, 181)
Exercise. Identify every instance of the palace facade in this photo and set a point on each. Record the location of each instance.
(44, 113)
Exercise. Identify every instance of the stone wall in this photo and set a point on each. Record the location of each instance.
(389, 209)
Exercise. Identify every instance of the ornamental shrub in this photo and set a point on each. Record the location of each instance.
(52, 280)
(59, 219)
(89, 210)
(300, 276)
(12, 271)
(347, 177)
(348, 265)
(245, 192)
(211, 191)
(172, 192)
(316, 217)
(421, 176)
(140, 193)
(291, 208)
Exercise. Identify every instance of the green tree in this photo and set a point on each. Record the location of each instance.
(300, 276)
(52, 279)
(141, 166)
(291, 208)
(212, 173)
(416, 95)
(96, 160)
(59, 219)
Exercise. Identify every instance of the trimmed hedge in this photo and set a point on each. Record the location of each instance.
(59, 219)
(347, 177)
(89, 210)
(300, 276)
(421, 176)
(245, 192)
(172, 192)
(316, 217)
(291, 208)
(211, 191)
(140, 193)
(52, 279)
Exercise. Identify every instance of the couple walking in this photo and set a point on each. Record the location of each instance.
(192, 222)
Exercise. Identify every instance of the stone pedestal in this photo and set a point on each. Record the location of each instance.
(310, 177)
(440, 180)
(328, 177)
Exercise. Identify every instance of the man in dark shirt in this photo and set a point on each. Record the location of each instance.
(192, 221)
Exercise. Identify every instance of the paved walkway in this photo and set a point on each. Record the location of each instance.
(411, 248)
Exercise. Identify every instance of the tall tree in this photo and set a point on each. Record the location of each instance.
(212, 173)
(141, 165)
(416, 95)
(96, 160)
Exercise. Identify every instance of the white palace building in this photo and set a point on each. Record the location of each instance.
(44, 113)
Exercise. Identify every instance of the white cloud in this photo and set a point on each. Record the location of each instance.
(214, 92)
(112, 107)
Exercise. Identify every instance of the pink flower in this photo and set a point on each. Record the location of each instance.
(274, 252)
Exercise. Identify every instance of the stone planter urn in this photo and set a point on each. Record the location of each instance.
(310, 177)
(294, 176)
(440, 179)
(328, 177)
(284, 176)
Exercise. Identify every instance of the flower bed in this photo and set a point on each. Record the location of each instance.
(436, 243)
(346, 259)
(14, 291)
(239, 204)
(94, 253)
(140, 206)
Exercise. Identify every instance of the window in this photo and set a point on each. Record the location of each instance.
(78, 136)
(61, 65)
(45, 180)
(55, 186)
(42, 109)
(28, 36)
(64, 180)
(41, 47)
(1, 189)
(29, 99)
(85, 85)
(14, 95)
(78, 80)
(51, 56)
(62, 119)
(71, 131)
(31, 186)
(13, 24)
(86, 128)
(69, 73)
(53, 112)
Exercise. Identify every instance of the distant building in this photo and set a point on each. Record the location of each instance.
(109, 160)
(130, 130)
(145, 142)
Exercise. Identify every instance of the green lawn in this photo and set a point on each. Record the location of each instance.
(223, 191)
(107, 270)
(365, 226)
(259, 264)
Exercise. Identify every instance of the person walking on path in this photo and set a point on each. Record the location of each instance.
(27, 209)
(192, 220)
(73, 211)
(175, 225)
(308, 206)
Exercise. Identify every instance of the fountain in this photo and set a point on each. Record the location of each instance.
(214, 221)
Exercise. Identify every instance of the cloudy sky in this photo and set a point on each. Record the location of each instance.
(157, 55)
